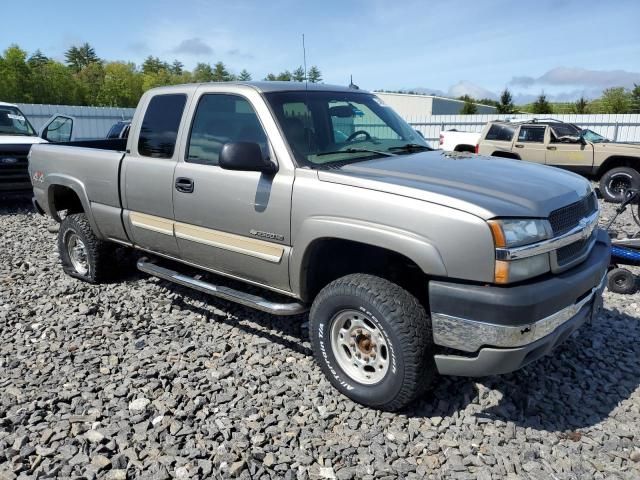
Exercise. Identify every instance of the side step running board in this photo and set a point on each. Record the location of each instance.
(226, 293)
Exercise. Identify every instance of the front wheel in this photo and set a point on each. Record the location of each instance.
(372, 339)
(617, 181)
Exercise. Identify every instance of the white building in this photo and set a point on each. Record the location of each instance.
(412, 107)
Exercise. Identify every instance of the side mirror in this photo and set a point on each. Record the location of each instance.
(58, 129)
(246, 157)
(581, 140)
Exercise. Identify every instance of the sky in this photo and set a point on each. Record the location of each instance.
(565, 48)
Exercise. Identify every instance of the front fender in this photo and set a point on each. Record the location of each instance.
(418, 249)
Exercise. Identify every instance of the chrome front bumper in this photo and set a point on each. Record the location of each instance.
(471, 335)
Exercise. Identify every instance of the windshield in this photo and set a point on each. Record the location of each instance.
(12, 122)
(593, 137)
(324, 128)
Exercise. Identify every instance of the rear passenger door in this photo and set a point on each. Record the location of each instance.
(147, 178)
(232, 222)
(530, 143)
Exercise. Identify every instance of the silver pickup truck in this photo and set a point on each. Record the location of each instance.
(412, 262)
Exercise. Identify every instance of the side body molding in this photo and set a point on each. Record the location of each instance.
(318, 228)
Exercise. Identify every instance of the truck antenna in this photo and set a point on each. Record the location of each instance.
(304, 61)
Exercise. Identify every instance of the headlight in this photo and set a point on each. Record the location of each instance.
(517, 232)
(516, 270)
(510, 233)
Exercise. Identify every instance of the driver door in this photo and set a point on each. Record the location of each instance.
(232, 222)
(573, 156)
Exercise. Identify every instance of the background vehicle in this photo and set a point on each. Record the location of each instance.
(16, 137)
(565, 145)
(119, 129)
(408, 267)
(456, 141)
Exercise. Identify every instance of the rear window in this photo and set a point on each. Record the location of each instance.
(501, 133)
(531, 134)
(160, 126)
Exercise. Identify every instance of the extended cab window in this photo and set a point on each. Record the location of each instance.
(160, 126)
(531, 134)
(221, 119)
(500, 133)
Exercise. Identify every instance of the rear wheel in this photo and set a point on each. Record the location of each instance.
(621, 280)
(372, 339)
(617, 181)
(83, 255)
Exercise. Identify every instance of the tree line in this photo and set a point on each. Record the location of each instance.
(612, 100)
(86, 79)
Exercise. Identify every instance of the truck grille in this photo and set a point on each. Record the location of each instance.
(572, 251)
(14, 174)
(564, 219)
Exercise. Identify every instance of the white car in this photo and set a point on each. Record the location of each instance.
(16, 137)
(455, 141)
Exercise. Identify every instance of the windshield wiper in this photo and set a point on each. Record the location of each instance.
(411, 147)
(356, 150)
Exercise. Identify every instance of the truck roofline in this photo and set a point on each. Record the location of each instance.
(266, 86)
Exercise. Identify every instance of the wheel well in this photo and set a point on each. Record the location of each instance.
(506, 155)
(465, 148)
(64, 198)
(329, 259)
(618, 161)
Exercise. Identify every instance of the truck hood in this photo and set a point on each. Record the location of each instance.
(20, 140)
(488, 187)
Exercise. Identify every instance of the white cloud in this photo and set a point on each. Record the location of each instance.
(580, 77)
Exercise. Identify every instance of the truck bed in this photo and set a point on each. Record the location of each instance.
(91, 171)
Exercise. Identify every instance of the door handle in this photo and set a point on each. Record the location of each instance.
(519, 146)
(184, 185)
(552, 148)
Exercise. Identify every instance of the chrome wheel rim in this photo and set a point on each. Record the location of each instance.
(359, 346)
(619, 184)
(77, 253)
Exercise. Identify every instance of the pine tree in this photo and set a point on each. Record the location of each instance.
(314, 75)
(469, 108)
(154, 65)
(284, 76)
(38, 59)
(202, 73)
(220, 73)
(79, 57)
(244, 76)
(541, 105)
(506, 102)
(298, 75)
(580, 106)
(176, 67)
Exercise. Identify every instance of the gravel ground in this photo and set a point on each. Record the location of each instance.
(142, 379)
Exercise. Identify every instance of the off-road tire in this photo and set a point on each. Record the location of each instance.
(402, 321)
(100, 254)
(627, 175)
(621, 280)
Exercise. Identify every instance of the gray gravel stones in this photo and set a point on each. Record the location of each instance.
(142, 379)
